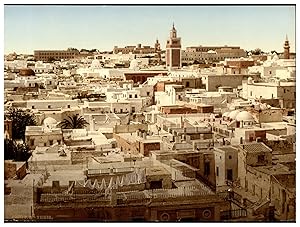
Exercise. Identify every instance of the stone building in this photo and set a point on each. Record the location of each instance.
(123, 192)
(45, 135)
(211, 53)
(226, 160)
(285, 92)
(139, 142)
(47, 55)
(138, 49)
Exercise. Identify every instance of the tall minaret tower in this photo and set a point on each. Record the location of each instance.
(157, 50)
(173, 50)
(286, 53)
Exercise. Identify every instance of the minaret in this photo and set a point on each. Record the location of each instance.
(173, 50)
(157, 50)
(286, 53)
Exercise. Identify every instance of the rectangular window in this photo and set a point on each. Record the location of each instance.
(69, 106)
(217, 171)
(206, 168)
(155, 184)
(261, 158)
(49, 106)
(148, 93)
(58, 141)
(51, 142)
(229, 174)
(31, 142)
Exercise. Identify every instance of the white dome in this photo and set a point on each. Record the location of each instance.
(96, 64)
(134, 64)
(225, 114)
(49, 121)
(244, 116)
(233, 114)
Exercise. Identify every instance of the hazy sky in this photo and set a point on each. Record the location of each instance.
(102, 27)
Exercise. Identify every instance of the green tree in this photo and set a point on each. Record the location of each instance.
(20, 119)
(73, 122)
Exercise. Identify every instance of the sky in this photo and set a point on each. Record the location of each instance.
(31, 27)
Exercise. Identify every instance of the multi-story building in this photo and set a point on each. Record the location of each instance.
(138, 49)
(285, 92)
(47, 55)
(211, 53)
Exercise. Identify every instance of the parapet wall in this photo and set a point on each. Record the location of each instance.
(130, 128)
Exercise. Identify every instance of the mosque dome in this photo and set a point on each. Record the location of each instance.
(244, 116)
(232, 115)
(26, 72)
(134, 64)
(49, 121)
(95, 64)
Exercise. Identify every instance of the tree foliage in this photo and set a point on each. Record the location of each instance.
(15, 151)
(20, 119)
(73, 122)
(257, 51)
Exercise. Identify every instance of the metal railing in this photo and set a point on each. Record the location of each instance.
(233, 214)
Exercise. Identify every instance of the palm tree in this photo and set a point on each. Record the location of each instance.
(74, 121)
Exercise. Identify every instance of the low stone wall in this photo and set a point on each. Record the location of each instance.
(130, 128)
(82, 156)
(21, 171)
(10, 170)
